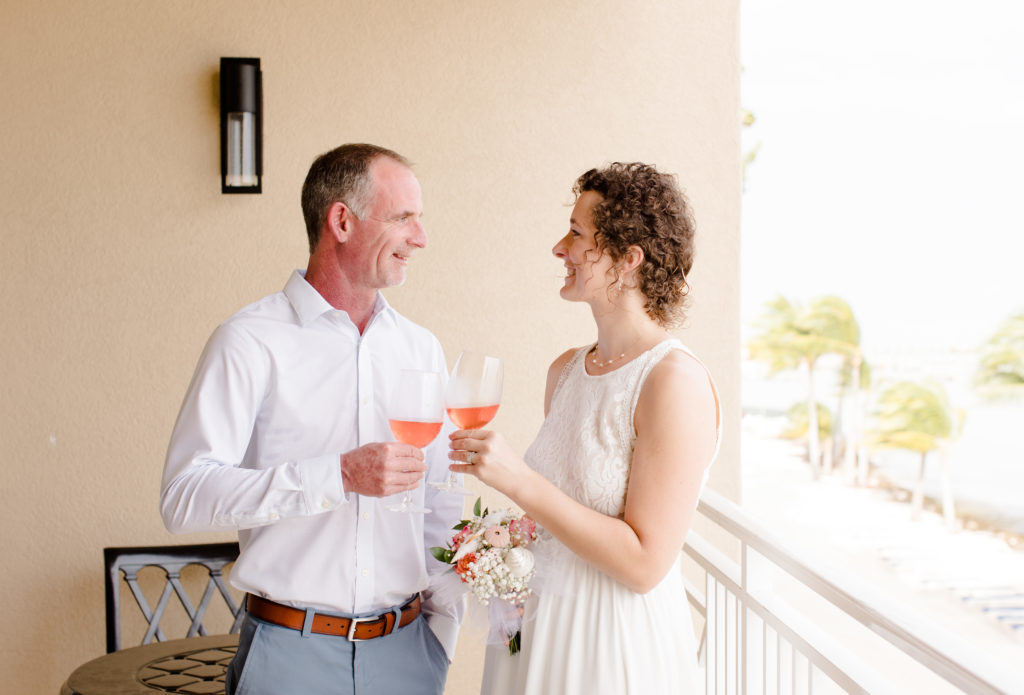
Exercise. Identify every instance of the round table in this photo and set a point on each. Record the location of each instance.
(193, 666)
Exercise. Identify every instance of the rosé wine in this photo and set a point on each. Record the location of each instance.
(418, 434)
(472, 418)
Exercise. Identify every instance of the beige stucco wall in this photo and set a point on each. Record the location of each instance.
(120, 255)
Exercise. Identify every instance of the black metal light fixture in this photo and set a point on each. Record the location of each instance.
(241, 125)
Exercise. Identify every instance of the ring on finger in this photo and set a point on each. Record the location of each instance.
(469, 457)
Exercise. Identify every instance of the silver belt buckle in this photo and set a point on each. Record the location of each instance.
(356, 621)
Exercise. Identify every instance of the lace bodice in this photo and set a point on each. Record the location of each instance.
(585, 445)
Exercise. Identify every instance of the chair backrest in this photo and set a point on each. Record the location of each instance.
(125, 563)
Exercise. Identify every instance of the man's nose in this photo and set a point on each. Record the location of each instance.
(419, 235)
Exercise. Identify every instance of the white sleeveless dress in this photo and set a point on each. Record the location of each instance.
(585, 632)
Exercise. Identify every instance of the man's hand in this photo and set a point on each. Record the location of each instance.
(382, 469)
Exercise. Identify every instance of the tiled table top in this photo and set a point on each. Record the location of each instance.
(193, 666)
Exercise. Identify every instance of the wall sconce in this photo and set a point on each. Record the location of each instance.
(241, 125)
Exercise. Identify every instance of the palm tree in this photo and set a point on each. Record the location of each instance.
(799, 425)
(791, 336)
(855, 383)
(918, 417)
(856, 452)
(1000, 373)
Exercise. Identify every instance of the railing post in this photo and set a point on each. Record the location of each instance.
(711, 634)
(757, 574)
(741, 606)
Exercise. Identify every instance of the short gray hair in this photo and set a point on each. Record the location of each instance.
(341, 175)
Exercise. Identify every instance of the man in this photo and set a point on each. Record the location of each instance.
(283, 435)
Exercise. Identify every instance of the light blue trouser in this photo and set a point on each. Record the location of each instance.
(275, 660)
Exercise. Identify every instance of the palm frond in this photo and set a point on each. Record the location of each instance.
(1000, 372)
(912, 415)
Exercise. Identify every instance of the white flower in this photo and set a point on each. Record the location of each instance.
(469, 545)
(497, 517)
(520, 561)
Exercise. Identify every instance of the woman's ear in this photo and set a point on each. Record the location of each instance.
(632, 259)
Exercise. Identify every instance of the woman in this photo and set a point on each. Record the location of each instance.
(631, 426)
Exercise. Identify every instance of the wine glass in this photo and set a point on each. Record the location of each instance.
(472, 399)
(415, 413)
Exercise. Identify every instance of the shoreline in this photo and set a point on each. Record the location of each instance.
(969, 519)
(971, 513)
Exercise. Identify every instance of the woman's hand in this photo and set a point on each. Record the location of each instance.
(486, 455)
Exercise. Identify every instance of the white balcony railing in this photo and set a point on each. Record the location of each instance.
(774, 623)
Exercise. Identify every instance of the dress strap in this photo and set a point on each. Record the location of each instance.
(644, 366)
(718, 400)
(653, 357)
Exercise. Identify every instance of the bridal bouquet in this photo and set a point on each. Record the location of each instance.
(488, 552)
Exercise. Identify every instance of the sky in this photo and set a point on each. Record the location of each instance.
(890, 168)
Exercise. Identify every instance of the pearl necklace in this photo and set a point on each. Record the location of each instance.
(602, 365)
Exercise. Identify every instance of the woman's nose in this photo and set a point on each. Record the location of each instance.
(560, 247)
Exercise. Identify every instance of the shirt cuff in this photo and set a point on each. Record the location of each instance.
(446, 630)
(321, 483)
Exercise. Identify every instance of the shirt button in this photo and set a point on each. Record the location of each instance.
(366, 573)
(366, 516)
(325, 504)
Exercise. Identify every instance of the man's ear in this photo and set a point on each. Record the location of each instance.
(339, 222)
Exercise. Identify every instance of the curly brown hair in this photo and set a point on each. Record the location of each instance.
(645, 208)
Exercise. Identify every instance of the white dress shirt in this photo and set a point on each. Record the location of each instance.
(282, 389)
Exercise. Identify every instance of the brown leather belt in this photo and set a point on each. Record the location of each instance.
(355, 629)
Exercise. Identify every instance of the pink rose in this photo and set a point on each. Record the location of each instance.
(497, 536)
(462, 535)
(523, 531)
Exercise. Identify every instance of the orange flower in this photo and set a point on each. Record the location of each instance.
(462, 567)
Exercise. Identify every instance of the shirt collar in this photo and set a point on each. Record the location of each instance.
(310, 304)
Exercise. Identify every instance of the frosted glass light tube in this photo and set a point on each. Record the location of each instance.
(241, 132)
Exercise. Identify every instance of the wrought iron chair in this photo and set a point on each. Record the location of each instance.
(125, 563)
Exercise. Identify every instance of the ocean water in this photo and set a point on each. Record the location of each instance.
(986, 467)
